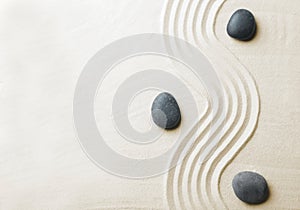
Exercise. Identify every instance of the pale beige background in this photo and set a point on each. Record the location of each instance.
(43, 48)
(273, 58)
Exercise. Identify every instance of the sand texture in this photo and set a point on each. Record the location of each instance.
(44, 45)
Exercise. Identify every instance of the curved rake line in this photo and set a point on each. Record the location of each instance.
(201, 9)
(207, 169)
(177, 182)
(177, 17)
(241, 141)
(170, 182)
(194, 164)
(185, 23)
(253, 116)
(178, 174)
(169, 5)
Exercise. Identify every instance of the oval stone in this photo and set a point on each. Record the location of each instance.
(250, 187)
(165, 111)
(242, 25)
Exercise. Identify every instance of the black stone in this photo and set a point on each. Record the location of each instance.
(165, 111)
(250, 187)
(242, 25)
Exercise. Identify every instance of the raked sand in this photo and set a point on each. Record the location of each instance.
(46, 44)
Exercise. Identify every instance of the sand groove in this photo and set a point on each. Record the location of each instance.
(195, 183)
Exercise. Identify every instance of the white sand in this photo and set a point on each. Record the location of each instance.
(44, 46)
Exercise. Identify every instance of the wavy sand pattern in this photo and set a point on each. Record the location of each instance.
(195, 183)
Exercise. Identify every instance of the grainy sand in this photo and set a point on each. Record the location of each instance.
(44, 46)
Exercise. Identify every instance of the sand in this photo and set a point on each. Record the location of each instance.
(46, 44)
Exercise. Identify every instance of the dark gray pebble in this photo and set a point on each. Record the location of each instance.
(242, 25)
(165, 111)
(250, 187)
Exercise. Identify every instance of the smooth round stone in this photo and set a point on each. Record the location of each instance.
(250, 187)
(165, 111)
(242, 25)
